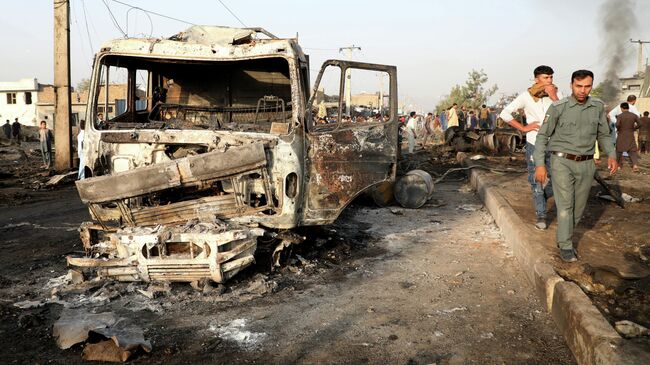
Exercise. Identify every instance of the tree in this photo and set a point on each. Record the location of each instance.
(597, 92)
(83, 85)
(472, 94)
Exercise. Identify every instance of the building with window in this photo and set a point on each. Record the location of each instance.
(18, 100)
(30, 102)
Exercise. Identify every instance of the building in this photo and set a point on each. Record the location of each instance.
(18, 99)
(30, 102)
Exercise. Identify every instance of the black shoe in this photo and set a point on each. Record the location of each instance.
(568, 255)
(541, 224)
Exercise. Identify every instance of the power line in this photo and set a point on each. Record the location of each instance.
(83, 4)
(78, 28)
(233, 14)
(153, 12)
(117, 25)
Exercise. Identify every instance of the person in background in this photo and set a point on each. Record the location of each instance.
(80, 148)
(472, 121)
(462, 118)
(411, 126)
(484, 117)
(6, 128)
(453, 116)
(15, 130)
(626, 123)
(644, 132)
(427, 131)
(45, 137)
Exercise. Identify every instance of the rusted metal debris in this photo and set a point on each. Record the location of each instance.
(502, 140)
(222, 148)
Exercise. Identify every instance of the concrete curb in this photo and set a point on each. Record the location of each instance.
(589, 336)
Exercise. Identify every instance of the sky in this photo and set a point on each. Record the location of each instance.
(434, 43)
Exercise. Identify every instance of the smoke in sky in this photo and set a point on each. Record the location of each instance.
(617, 20)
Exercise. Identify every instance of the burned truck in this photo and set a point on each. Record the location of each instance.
(202, 147)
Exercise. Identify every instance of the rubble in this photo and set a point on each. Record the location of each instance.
(629, 329)
(122, 339)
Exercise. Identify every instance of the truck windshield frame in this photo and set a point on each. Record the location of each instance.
(251, 95)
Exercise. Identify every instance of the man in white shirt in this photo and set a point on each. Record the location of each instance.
(535, 101)
(411, 125)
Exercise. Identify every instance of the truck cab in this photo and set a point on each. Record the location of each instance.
(199, 144)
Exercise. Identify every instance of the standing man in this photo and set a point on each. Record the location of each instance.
(80, 149)
(644, 132)
(631, 100)
(483, 117)
(15, 130)
(443, 119)
(626, 124)
(45, 137)
(427, 131)
(411, 125)
(453, 117)
(462, 118)
(569, 133)
(6, 128)
(535, 102)
(471, 120)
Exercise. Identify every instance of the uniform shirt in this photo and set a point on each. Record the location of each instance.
(573, 128)
(535, 111)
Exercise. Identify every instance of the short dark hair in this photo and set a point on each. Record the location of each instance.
(646, 113)
(43, 122)
(455, 104)
(429, 113)
(542, 70)
(483, 106)
(581, 74)
(412, 114)
(625, 106)
(631, 98)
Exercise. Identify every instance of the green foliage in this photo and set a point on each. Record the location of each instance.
(83, 85)
(597, 92)
(472, 94)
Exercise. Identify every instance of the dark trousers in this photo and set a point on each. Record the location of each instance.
(633, 156)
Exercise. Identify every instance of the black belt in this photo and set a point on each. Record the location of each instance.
(569, 156)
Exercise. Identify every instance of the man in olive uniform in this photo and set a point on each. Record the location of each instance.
(569, 133)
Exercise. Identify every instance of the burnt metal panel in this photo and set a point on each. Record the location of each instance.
(165, 175)
(348, 158)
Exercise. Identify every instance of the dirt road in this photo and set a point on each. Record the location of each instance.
(382, 285)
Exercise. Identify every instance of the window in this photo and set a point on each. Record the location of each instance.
(28, 97)
(11, 98)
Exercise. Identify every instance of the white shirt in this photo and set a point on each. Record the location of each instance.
(411, 125)
(616, 111)
(80, 144)
(535, 111)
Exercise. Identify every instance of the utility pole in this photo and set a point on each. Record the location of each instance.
(348, 91)
(639, 65)
(62, 110)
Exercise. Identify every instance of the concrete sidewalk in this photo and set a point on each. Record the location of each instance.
(589, 335)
